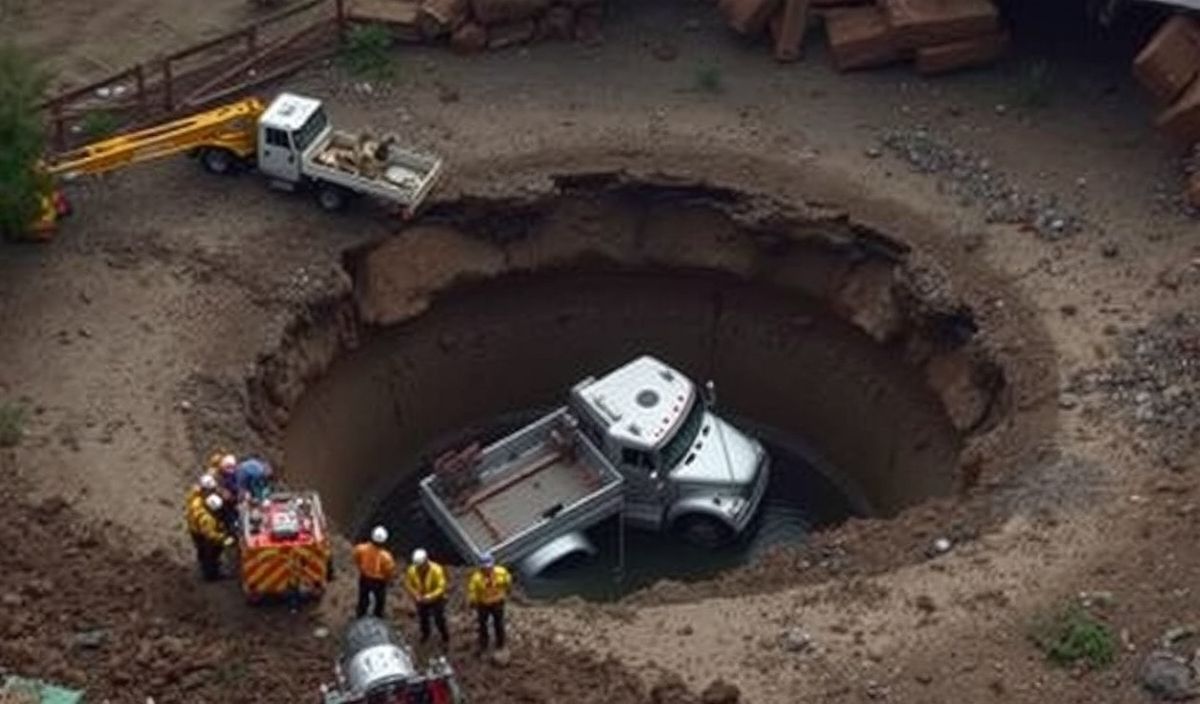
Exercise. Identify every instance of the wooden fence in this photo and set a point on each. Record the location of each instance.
(199, 76)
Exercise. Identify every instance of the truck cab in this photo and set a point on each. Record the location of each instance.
(686, 470)
(287, 128)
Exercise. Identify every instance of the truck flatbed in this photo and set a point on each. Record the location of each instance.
(375, 166)
(537, 484)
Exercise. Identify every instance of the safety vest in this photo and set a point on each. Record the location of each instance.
(203, 523)
(431, 588)
(374, 562)
(485, 589)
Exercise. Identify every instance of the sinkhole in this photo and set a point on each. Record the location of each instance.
(861, 378)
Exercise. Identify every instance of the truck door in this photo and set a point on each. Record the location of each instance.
(277, 158)
(645, 489)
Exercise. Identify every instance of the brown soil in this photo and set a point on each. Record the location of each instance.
(87, 614)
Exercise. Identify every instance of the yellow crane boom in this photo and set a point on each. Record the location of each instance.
(230, 127)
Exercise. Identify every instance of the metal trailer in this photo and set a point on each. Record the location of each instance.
(533, 499)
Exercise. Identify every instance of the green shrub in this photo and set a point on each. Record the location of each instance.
(98, 124)
(1071, 635)
(368, 52)
(708, 79)
(1035, 89)
(12, 424)
(22, 142)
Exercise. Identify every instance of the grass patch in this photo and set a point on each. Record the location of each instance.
(98, 124)
(1070, 635)
(1035, 88)
(708, 79)
(368, 52)
(12, 424)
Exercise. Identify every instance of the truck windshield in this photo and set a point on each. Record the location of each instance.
(677, 447)
(310, 129)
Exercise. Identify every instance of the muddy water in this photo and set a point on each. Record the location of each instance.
(491, 350)
(799, 500)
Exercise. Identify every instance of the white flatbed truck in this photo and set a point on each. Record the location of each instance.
(640, 441)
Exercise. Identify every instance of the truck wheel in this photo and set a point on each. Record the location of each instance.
(332, 198)
(704, 531)
(218, 161)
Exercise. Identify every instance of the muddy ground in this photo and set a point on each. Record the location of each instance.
(129, 339)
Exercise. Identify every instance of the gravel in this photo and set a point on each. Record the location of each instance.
(975, 181)
(1156, 382)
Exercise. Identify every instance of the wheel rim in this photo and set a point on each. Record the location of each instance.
(216, 161)
(330, 200)
(704, 531)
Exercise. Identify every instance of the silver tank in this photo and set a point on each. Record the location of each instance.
(373, 656)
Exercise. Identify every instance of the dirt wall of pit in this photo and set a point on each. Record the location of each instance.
(815, 326)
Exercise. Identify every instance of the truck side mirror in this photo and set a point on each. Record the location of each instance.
(710, 393)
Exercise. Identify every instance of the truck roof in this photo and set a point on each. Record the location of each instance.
(289, 111)
(642, 402)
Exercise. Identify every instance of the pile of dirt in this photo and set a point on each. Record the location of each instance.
(77, 609)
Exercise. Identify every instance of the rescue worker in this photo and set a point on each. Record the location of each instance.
(205, 485)
(208, 534)
(487, 590)
(227, 476)
(227, 481)
(425, 582)
(252, 478)
(376, 567)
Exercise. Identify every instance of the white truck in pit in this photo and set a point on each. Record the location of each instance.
(642, 440)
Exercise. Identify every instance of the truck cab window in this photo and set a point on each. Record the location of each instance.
(277, 138)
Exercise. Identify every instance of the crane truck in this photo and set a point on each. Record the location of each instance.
(289, 141)
(640, 441)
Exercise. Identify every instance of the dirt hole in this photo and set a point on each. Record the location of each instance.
(863, 376)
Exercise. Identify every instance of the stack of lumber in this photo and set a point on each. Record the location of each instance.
(1169, 67)
(938, 35)
(470, 26)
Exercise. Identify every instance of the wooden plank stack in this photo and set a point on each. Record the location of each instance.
(1169, 68)
(469, 26)
(938, 35)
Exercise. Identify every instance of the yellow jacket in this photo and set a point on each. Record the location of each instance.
(487, 590)
(432, 588)
(202, 522)
(374, 562)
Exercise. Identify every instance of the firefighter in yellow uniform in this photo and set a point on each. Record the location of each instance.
(208, 533)
(487, 591)
(425, 582)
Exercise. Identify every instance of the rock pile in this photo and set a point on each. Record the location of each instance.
(471, 26)
(1168, 66)
(938, 35)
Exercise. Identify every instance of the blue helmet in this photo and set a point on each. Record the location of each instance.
(486, 560)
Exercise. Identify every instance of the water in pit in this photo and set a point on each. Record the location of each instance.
(800, 499)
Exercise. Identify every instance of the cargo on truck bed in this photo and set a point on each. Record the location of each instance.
(378, 166)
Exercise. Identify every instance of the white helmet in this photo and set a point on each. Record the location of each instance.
(228, 463)
(214, 502)
(379, 535)
(420, 557)
(208, 482)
